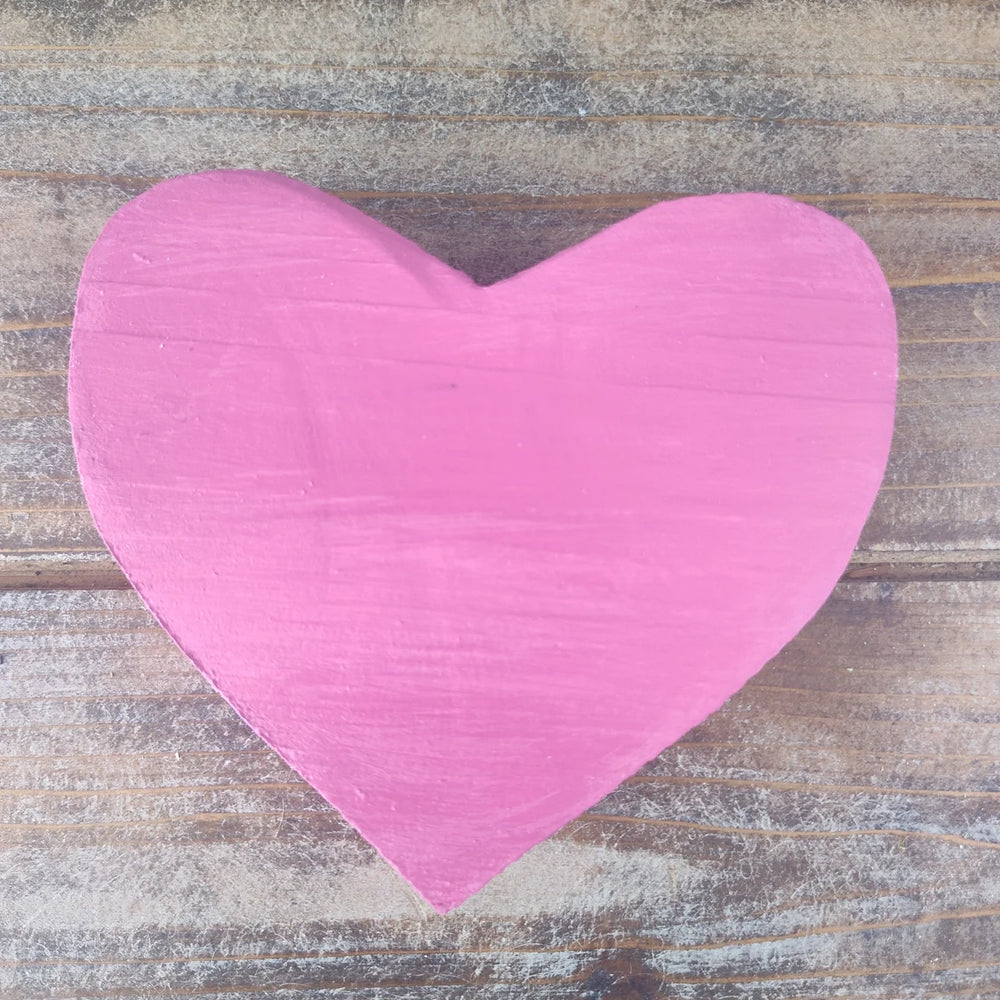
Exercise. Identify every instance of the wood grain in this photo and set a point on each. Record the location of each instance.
(834, 831)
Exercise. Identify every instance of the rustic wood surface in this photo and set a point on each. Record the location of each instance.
(834, 831)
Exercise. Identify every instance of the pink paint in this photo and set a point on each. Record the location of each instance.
(468, 557)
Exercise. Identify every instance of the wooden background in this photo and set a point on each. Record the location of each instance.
(834, 831)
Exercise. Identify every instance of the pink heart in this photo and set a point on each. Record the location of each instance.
(467, 557)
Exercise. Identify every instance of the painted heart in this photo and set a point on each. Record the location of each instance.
(465, 556)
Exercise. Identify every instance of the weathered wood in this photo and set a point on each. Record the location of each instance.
(495, 142)
(832, 831)
(786, 96)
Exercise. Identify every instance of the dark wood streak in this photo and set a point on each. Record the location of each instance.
(478, 119)
(646, 944)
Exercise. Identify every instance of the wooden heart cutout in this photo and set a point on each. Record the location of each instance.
(466, 556)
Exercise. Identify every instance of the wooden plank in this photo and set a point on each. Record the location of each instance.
(652, 98)
(833, 830)
(498, 141)
(939, 507)
(558, 36)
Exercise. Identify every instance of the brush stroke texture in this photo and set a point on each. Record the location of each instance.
(467, 557)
